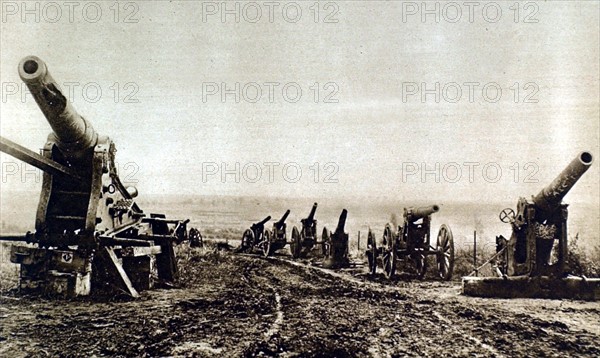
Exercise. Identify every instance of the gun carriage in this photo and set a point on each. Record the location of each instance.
(305, 239)
(90, 235)
(533, 262)
(254, 236)
(336, 244)
(276, 238)
(412, 243)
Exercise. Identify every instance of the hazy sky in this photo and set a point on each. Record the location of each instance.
(370, 129)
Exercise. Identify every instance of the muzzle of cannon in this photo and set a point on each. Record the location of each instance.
(412, 243)
(550, 198)
(278, 224)
(526, 261)
(414, 214)
(337, 252)
(87, 221)
(304, 240)
(263, 221)
(276, 238)
(73, 133)
(311, 215)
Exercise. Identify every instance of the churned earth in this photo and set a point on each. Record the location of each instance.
(241, 305)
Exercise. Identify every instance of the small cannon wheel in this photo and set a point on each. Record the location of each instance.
(295, 245)
(372, 252)
(445, 253)
(195, 238)
(247, 241)
(507, 215)
(389, 254)
(325, 243)
(266, 244)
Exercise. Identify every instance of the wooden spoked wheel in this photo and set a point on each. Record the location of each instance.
(445, 253)
(296, 244)
(266, 244)
(247, 241)
(389, 254)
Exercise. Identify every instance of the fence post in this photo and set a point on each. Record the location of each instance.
(475, 252)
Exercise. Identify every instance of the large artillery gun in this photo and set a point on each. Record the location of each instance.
(90, 235)
(534, 261)
(305, 239)
(276, 238)
(336, 245)
(254, 236)
(412, 243)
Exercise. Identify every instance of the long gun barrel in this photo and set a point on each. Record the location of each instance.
(283, 218)
(73, 132)
(551, 196)
(414, 214)
(311, 216)
(264, 221)
(341, 222)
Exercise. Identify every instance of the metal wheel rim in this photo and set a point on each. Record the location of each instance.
(266, 244)
(295, 244)
(247, 240)
(389, 258)
(445, 253)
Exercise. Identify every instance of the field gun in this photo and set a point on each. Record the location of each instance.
(276, 238)
(336, 244)
(253, 236)
(411, 242)
(90, 235)
(533, 262)
(305, 239)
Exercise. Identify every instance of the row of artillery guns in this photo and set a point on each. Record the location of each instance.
(91, 237)
(411, 243)
(534, 261)
(333, 244)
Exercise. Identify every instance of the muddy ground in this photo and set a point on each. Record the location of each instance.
(237, 305)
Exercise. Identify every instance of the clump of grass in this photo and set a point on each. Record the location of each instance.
(582, 262)
(463, 260)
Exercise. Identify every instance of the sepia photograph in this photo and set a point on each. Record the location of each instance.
(299, 178)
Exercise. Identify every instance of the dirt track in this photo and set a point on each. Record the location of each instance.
(235, 305)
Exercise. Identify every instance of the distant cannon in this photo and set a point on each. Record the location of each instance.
(414, 214)
(336, 244)
(275, 239)
(412, 243)
(305, 239)
(526, 262)
(91, 237)
(253, 236)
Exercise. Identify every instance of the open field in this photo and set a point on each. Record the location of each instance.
(225, 218)
(238, 305)
(228, 304)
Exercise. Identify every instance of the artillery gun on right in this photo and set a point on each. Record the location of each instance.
(533, 262)
(412, 243)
